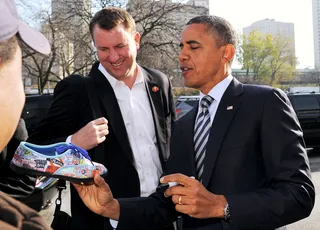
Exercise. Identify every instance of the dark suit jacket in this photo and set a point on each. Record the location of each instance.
(71, 111)
(255, 157)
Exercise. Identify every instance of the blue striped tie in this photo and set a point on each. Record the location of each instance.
(201, 134)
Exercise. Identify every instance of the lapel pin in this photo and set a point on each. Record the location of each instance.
(230, 107)
(155, 89)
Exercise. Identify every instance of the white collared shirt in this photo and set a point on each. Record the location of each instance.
(136, 112)
(216, 93)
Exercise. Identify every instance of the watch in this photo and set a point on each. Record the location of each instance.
(226, 212)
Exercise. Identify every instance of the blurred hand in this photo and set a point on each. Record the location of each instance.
(98, 198)
(92, 134)
(196, 201)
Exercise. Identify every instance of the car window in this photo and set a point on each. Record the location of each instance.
(35, 109)
(303, 103)
(192, 102)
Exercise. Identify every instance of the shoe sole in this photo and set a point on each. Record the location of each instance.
(32, 172)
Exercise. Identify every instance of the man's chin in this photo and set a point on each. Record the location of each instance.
(188, 84)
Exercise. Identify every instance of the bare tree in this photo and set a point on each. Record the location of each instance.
(66, 24)
(71, 48)
(160, 24)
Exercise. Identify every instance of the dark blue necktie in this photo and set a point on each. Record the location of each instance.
(202, 132)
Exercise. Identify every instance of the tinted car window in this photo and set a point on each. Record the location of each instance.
(192, 102)
(307, 107)
(35, 109)
(185, 104)
(303, 103)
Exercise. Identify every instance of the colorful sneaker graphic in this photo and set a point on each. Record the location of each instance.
(61, 160)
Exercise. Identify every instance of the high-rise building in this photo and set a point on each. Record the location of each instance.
(70, 18)
(316, 32)
(270, 26)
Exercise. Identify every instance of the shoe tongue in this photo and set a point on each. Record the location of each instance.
(61, 149)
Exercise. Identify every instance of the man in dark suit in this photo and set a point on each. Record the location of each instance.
(122, 108)
(243, 145)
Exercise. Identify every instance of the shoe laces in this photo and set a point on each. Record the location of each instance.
(76, 149)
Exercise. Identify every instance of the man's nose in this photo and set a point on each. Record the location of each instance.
(182, 56)
(113, 56)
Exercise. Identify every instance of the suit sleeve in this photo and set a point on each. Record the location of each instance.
(288, 193)
(64, 113)
(153, 212)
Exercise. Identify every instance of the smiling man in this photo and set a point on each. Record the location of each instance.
(121, 113)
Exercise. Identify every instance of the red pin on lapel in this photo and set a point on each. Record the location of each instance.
(155, 89)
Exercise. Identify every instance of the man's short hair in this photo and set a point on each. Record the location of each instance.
(220, 28)
(8, 48)
(111, 17)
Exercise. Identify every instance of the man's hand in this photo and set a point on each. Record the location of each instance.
(92, 134)
(193, 199)
(98, 198)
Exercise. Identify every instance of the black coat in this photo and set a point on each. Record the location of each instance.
(71, 111)
(255, 157)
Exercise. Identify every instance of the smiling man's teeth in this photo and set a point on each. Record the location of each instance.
(117, 64)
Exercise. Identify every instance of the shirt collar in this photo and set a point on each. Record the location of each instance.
(218, 90)
(113, 81)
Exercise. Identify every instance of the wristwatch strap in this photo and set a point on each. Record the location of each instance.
(226, 212)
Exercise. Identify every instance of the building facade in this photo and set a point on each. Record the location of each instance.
(270, 26)
(72, 37)
(203, 3)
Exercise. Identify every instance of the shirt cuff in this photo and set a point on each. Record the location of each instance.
(69, 139)
(114, 223)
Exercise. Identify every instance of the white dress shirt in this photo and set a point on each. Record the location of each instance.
(137, 116)
(136, 112)
(216, 93)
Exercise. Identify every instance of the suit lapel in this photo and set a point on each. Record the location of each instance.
(188, 142)
(155, 99)
(112, 109)
(229, 104)
(182, 146)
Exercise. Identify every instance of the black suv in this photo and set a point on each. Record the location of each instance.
(307, 108)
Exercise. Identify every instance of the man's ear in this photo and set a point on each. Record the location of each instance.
(229, 52)
(137, 37)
